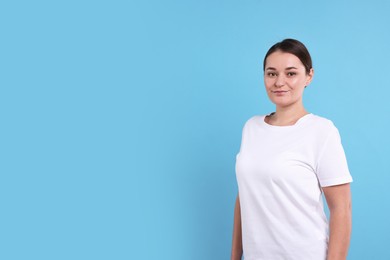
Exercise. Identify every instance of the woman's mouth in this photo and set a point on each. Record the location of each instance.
(279, 92)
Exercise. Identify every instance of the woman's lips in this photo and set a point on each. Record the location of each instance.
(279, 92)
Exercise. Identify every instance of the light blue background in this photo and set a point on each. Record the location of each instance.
(120, 121)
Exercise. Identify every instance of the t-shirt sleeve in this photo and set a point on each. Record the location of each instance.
(332, 167)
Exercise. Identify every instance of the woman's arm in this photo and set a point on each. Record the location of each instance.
(237, 237)
(339, 202)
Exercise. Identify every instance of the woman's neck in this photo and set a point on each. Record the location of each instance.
(286, 116)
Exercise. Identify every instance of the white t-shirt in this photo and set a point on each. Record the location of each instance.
(280, 171)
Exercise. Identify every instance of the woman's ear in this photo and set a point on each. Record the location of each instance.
(310, 76)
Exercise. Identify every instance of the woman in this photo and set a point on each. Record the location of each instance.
(286, 160)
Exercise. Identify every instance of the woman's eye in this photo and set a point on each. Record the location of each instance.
(291, 74)
(271, 74)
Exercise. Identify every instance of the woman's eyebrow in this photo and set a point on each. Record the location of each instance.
(288, 68)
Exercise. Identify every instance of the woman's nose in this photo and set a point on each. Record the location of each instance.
(280, 81)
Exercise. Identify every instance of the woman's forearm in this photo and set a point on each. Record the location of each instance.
(237, 235)
(339, 202)
(339, 233)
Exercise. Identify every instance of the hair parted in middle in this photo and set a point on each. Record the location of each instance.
(294, 47)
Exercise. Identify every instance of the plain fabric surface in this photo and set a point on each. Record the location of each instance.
(280, 171)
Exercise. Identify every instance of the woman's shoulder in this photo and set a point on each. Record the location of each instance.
(255, 120)
(322, 123)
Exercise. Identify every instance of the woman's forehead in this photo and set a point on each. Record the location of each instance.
(283, 60)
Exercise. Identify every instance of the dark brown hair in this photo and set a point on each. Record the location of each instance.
(294, 47)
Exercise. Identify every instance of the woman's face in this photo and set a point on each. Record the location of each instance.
(285, 78)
